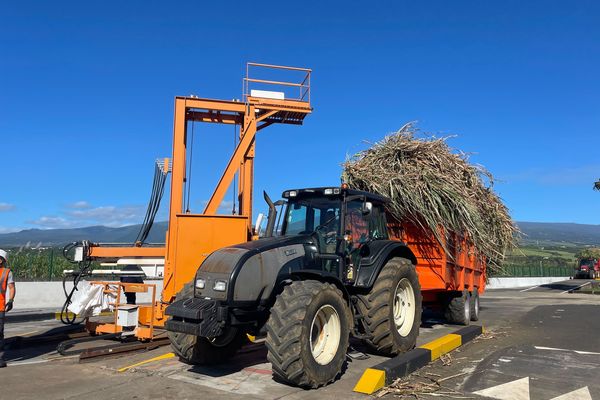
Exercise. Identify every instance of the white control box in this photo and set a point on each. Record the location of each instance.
(127, 316)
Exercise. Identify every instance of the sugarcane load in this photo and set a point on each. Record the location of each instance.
(437, 190)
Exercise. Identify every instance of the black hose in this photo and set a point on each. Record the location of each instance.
(77, 276)
(158, 188)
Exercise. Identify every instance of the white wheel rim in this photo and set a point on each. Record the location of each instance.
(325, 334)
(404, 307)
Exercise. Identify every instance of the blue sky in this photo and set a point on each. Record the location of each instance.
(86, 97)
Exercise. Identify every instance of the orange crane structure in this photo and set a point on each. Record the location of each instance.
(190, 237)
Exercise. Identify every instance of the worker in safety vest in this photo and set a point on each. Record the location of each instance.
(6, 283)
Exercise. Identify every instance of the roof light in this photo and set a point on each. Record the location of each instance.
(336, 191)
(328, 191)
(293, 193)
(344, 186)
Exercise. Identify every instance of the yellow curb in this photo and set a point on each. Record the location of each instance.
(371, 381)
(443, 345)
(163, 357)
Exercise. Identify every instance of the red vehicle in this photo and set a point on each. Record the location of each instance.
(588, 268)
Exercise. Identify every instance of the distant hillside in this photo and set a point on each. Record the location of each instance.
(535, 232)
(103, 234)
(553, 232)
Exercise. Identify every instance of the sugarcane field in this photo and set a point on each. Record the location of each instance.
(397, 204)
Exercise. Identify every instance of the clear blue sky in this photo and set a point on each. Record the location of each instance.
(86, 97)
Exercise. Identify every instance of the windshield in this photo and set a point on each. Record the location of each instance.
(307, 214)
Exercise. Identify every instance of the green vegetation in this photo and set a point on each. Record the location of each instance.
(589, 253)
(37, 264)
(535, 260)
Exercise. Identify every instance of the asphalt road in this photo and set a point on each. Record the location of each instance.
(539, 344)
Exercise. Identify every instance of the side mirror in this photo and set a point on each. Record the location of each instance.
(367, 207)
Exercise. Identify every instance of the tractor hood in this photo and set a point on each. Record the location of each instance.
(250, 270)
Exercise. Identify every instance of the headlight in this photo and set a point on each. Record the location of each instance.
(200, 283)
(220, 286)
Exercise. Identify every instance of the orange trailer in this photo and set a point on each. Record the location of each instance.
(445, 270)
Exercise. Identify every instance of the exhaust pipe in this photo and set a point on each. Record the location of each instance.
(272, 215)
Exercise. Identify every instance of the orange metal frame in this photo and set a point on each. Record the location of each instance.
(145, 330)
(192, 237)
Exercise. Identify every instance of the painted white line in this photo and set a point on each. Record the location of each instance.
(515, 390)
(579, 394)
(533, 287)
(587, 352)
(17, 363)
(580, 286)
(574, 351)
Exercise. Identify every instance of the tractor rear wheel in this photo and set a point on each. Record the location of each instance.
(203, 351)
(308, 333)
(391, 311)
(458, 308)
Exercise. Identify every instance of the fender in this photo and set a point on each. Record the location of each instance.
(374, 257)
(322, 276)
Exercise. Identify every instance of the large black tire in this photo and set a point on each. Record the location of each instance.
(291, 333)
(458, 308)
(204, 351)
(475, 305)
(377, 307)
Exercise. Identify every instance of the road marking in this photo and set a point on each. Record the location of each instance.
(22, 334)
(162, 357)
(579, 394)
(571, 290)
(17, 363)
(574, 351)
(514, 390)
(533, 287)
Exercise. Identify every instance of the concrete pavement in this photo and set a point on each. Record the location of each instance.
(530, 341)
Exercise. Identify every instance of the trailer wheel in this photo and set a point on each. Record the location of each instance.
(474, 305)
(203, 351)
(458, 308)
(307, 334)
(391, 311)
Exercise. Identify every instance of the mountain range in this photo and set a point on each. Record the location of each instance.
(533, 232)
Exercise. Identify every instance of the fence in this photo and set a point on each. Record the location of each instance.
(530, 270)
(37, 264)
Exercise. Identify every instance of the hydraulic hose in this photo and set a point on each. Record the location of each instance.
(158, 188)
(77, 276)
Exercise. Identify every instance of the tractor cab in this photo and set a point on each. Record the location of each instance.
(341, 221)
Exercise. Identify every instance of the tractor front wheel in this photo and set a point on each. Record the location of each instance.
(308, 333)
(204, 351)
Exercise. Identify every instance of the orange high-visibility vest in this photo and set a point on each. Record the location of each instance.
(3, 286)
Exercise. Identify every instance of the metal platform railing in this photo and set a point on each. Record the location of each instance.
(302, 83)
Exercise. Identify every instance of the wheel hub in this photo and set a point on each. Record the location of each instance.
(325, 334)
(404, 307)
